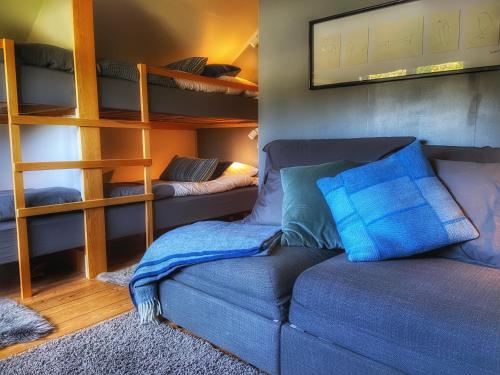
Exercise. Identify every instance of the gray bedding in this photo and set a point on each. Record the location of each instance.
(59, 195)
(36, 197)
(45, 86)
(53, 233)
(161, 190)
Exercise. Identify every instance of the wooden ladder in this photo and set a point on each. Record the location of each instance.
(91, 163)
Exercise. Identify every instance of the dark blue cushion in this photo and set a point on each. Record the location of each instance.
(260, 284)
(394, 207)
(421, 315)
(218, 70)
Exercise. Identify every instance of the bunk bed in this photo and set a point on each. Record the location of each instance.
(91, 103)
(119, 99)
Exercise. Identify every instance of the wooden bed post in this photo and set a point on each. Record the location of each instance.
(17, 177)
(146, 153)
(90, 141)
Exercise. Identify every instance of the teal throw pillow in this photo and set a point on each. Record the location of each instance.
(306, 218)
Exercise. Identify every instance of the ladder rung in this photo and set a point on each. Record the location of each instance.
(75, 121)
(80, 164)
(75, 206)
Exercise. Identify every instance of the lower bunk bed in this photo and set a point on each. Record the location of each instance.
(54, 233)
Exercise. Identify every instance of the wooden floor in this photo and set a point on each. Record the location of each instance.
(73, 304)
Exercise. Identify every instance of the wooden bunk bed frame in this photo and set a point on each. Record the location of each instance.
(88, 119)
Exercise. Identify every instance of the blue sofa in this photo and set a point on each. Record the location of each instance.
(310, 311)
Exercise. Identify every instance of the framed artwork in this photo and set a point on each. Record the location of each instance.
(404, 39)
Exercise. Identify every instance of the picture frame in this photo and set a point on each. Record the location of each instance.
(404, 39)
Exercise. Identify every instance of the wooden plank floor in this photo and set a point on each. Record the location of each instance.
(72, 305)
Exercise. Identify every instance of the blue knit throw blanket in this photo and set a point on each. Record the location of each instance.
(197, 243)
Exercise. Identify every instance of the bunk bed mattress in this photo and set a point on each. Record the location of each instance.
(127, 220)
(47, 234)
(54, 233)
(45, 86)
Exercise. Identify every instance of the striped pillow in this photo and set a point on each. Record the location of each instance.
(129, 72)
(189, 169)
(193, 65)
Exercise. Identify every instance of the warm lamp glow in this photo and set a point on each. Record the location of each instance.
(236, 167)
(241, 169)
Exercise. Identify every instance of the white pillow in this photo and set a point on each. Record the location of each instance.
(241, 169)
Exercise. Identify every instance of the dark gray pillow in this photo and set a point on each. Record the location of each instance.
(44, 55)
(476, 188)
(268, 207)
(37, 197)
(218, 70)
(160, 189)
(189, 169)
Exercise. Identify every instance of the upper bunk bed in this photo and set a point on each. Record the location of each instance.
(177, 99)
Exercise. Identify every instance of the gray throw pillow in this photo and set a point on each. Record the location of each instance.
(267, 209)
(189, 169)
(476, 188)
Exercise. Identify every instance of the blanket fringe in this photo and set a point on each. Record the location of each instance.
(149, 311)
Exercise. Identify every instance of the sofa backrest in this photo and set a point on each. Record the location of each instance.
(290, 153)
(473, 154)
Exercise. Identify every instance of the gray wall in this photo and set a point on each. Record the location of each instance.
(42, 143)
(452, 110)
(227, 145)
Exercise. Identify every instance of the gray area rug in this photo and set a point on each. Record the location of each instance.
(121, 277)
(123, 346)
(20, 324)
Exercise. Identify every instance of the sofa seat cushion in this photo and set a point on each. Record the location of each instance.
(421, 315)
(260, 284)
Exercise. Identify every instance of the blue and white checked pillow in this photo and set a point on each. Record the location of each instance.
(393, 208)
